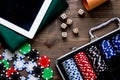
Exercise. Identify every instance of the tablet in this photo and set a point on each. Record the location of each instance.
(23, 16)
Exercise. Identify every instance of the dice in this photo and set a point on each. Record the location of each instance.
(63, 26)
(75, 31)
(63, 16)
(64, 34)
(81, 12)
(69, 22)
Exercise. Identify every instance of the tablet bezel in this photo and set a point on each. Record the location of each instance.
(35, 25)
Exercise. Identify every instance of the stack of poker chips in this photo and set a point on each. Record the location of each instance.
(94, 61)
(72, 70)
(97, 60)
(116, 43)
(2, 69)
(111, 47)
(36, 66)
(44, 63)
(107, 49)
(85, 66)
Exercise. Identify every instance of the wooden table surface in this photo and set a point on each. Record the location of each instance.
(49, 41)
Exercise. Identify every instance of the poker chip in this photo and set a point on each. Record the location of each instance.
(19, 64)
(31, 77)
(25, 49)
(2, 69)
(29, 66)
(22, 78)
(19, 55)
(107, 49)
(37, 71)
(85, 66)
(3, 77)
(71, 70)
(15, 76)
(10, 71)
(44, 61)
(96, 59)
(0, 56)
(6, 63)
(7, 55)
(47, 73)
(116, 42)
(33, 55)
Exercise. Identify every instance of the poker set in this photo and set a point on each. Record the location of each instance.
(96, 60)
(24, 59)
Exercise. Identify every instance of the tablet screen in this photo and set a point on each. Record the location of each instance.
(20, 12)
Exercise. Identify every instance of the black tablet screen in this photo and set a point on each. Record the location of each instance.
(20, 12)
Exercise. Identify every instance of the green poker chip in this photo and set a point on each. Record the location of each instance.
(6, 63)
(25, 49)
(47, 73)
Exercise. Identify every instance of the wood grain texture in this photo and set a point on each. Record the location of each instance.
(51, 34)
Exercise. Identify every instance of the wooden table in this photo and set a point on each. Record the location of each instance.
(52, 33)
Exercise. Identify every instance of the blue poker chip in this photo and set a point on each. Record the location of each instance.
(72, 70)
(107, 49)
(29, 66)
(31, 77)
(19, 64)
(7, 55)
(116, 42)
(19, 55)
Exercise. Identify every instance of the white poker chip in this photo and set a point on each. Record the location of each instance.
(29, 66)
(19, 64)
(7, 55)
(31, 77)
(19, 55)
(22, 78)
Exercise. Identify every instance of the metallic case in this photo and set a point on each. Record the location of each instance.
(94, 41)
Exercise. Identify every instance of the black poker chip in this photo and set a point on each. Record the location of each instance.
(33, 55)
(37, 71)
(3, 77)
(2, 69)
(15, 76)
(96, 59)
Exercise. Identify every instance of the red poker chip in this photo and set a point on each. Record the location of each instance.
(85, 66)
(0, 56)
(10, 71)
(44, 61)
